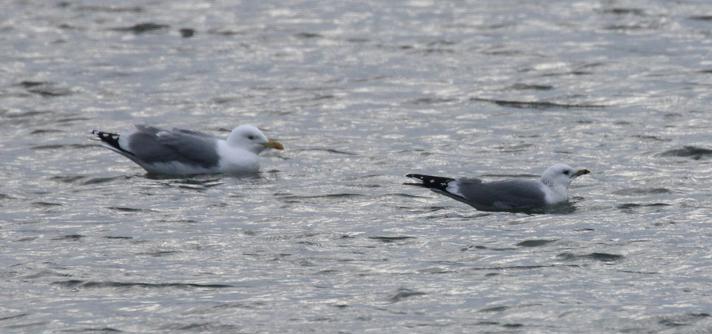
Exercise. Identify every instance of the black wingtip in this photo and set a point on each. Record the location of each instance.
(429, 181)
(111, 139)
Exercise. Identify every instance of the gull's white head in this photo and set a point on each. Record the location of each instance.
(252, 139)
(561, 175)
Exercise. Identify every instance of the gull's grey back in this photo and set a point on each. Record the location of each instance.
(185, 146)
(498, 195)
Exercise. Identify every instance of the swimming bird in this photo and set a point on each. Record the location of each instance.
(506, 195)
(188, 152)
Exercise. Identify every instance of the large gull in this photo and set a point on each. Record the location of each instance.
(188, 152)
(506, 195)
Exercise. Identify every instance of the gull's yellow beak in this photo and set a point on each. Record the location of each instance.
(274, 144)
(582, 172)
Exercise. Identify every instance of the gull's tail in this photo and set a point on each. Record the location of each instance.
(432, 182)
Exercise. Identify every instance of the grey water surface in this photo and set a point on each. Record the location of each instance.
(326, 238)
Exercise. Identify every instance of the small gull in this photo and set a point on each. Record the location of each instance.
(188, 152)
(506, 195)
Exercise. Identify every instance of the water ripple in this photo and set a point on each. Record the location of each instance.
(537, 104)
(535, 242)
(692, 152)
(597, 256)
(404, 293)
(142, 28)
(389, 239)
(113, 284)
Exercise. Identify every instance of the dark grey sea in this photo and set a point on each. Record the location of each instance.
(327, 239)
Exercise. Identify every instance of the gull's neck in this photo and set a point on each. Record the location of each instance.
(236, 159)
(554, 193)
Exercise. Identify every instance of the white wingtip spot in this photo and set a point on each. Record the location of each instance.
(453, 188)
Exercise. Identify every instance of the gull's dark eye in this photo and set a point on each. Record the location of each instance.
(251, 137)
(567, 172)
